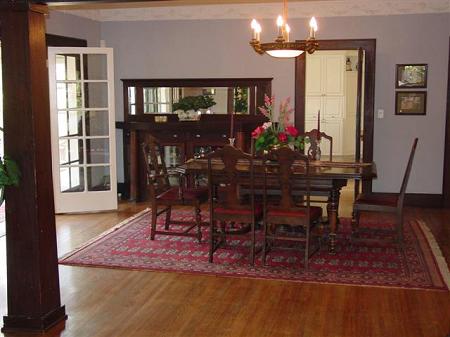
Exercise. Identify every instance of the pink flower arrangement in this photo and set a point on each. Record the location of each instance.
(278, 130)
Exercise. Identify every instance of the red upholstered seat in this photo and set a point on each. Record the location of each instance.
(240, 211)
(315, 212)
(188, 194)
(371, 199)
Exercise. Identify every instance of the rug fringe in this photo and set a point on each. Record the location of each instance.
(102, 235)
(439, 257)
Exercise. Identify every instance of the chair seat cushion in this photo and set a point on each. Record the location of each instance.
(172, 194)
(373, 199)
(239, 211)
(314, 212)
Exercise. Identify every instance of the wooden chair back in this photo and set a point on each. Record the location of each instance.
(157, 175)
(407, 173)
(314, 137)
(279, 170)
(230, 168)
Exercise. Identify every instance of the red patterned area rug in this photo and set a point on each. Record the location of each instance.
(128, 246)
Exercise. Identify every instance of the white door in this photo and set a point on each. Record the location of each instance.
(83, 129)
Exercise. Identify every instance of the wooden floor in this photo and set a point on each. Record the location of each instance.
(110, 303)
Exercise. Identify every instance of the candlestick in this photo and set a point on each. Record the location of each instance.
(287, 30)
(318, 125)
(232, 125)
(280, 23)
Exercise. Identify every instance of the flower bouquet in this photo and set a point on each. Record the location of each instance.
(278, 131)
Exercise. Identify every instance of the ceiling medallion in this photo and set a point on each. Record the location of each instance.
(282, 47)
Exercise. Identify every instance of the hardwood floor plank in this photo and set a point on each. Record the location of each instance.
(107, 303)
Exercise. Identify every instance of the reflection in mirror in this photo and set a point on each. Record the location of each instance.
(191, 97)
(132, 100)
(211, 100)
(160, 100)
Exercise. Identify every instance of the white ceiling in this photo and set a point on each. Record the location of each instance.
(235, 9)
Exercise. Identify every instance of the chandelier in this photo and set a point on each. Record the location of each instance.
(282, 47)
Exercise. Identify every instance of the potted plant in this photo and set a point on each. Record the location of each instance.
(9, 174)
(278, 131)
(191, 104)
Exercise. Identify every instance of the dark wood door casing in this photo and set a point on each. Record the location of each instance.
(369, 47)
(446, 180)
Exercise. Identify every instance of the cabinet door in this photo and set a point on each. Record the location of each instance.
(333, 107)
(312, 105)
(333, 75)
(314, 75)
(333, 129)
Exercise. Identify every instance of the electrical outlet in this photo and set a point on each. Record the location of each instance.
(380, 113)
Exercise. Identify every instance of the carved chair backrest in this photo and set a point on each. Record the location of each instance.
(230, 168)
(314, 136)
(287, 169)
(157, 177)
(407, 173)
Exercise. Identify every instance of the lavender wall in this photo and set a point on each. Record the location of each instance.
(74, 26)
(219, 48)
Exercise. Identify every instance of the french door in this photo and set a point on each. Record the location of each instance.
(83, 129)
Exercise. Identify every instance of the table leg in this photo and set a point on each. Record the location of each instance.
(333, 217)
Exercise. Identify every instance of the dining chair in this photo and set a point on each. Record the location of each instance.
(385, 204)
(231, 213)
(164, 195)
(280, 172)
(315, 138)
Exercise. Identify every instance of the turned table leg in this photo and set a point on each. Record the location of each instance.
(333, 207)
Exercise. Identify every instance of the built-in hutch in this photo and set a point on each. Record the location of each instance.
(157, 107)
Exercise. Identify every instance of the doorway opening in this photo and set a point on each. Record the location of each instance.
(358, 56)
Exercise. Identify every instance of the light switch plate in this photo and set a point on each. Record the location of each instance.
(380, 113)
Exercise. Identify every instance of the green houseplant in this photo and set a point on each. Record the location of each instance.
(9, 174)
(194, 103)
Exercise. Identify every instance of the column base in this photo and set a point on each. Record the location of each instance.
(40, 324)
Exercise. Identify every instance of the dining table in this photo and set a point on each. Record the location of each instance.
(325, 176)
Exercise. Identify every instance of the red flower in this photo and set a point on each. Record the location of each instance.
(292, 131)
(257, 132)
(282, 137)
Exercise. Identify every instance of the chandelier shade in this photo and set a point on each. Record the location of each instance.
(282, 47)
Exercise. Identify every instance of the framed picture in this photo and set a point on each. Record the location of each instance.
(411, 76)
(410, 102)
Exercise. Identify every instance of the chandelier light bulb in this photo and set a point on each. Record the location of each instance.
(280, 21)
(287, 29)
(254, 24)
(312, 27)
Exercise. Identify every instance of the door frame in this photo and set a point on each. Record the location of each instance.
(369, 46)
(446, 178)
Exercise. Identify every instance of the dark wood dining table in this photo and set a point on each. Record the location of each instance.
(325, 176)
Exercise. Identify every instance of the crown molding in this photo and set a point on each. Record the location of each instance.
(154, 11)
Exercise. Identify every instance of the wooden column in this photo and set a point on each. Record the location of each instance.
(32, 266)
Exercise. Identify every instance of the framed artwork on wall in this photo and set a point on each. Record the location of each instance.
(410, 102)
(411, 76)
